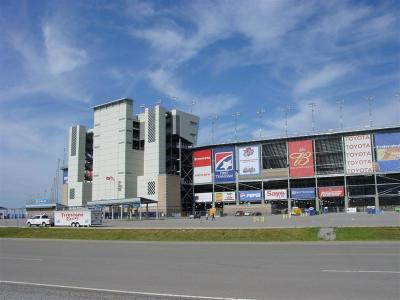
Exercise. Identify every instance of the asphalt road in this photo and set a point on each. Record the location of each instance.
(325, 270)
(274, 221)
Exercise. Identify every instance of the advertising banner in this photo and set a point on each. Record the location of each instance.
(331, 191)
(203, 197)
(301, 158)
(276, 194)
(250, 196)
(225, 197)
(388, 151)
(65, 176)
(303, 193)
(224, 167)
(249, 160)
(202, 166)
(358, 154)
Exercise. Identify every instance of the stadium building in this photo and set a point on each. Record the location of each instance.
(333, 172)
(153, 156)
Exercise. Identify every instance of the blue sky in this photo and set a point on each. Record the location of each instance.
(59, 58)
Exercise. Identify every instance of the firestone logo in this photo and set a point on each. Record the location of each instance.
(248, 152)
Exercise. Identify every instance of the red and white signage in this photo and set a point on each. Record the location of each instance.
(202, 166)
(275, 194)
(331, 191)
(301, 158)
(358, 153)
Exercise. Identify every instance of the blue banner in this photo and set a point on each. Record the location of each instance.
(388, 151)
(224, 164)
(41, 201)
(250, 196)
(303, 193)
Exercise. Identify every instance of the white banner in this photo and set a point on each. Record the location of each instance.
(249, 160)
(225, 197)
(358, 154)
(203, 197)
(202, 175)
(275, 194)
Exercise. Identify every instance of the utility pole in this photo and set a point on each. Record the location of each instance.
(260, 113)
(213, 119)
(191, 104)
(340, 102)
(286, 110)
(236, 116)
(312, 105)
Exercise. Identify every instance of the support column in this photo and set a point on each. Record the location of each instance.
(346, 193)
(122, 211)
(112, 212)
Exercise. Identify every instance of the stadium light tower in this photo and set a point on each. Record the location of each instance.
(340, 102)
(260, 113)
(370, 99)
(286, 110)
(312, 105)
(213, 118)
(236, 116)
(191, 104)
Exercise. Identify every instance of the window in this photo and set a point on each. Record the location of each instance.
(151, 188)
(71, 193)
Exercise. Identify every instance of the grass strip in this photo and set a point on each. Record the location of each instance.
(368, 234)
(203, 235)
(196, 235)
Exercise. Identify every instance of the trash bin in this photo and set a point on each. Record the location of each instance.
(326, 210)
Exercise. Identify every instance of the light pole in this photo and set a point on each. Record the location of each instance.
(236, 116)
(191, 104)
(286, 110)
(340, 102)
(213, 119)
(312, 105)
(174, 100)
(260, 113)
(370, 99)
(398, 106)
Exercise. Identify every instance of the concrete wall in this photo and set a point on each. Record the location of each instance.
(265, 209)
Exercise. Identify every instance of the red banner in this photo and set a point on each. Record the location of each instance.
(202, 158)
(301, 158)
(331, 191)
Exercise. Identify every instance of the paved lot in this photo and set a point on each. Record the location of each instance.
(252, 271)
(275, 221)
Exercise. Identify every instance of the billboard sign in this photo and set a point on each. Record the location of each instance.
(276, 194)
(303, 193)
(249, 160)
(388, 151)
(331, 191)
(225, 197)
(224, 164)
(250, 196)
(65, 176)
(202, 166)
(301, 158)
(358, 154)
(202, 197)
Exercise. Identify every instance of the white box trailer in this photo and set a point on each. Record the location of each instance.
(77, 218)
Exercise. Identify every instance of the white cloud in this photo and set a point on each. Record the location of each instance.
(321, 78)
(61, 56)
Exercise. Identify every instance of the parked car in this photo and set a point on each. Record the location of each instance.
(247, 213)
(257, 213)
(239, 213)
(40, 220)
